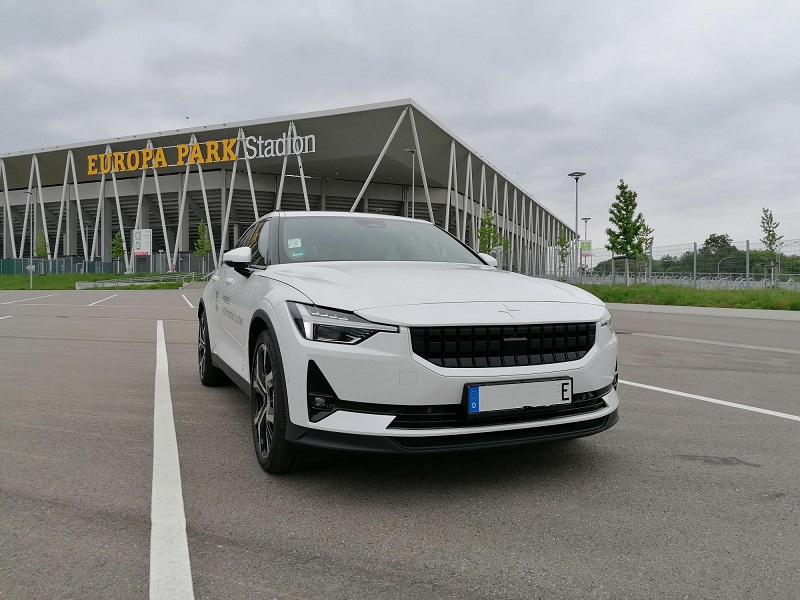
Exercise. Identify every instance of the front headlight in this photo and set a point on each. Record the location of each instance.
(607, 321)
(334, 326)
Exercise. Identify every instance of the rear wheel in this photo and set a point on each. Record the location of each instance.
(209, 374)
(269, 408)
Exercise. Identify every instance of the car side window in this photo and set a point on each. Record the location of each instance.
(261, 248)
(257, 238)
(247, 236)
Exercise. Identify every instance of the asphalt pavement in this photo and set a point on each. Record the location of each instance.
(683, 498)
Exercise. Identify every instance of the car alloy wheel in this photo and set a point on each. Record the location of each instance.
(269, 408)
(263, 402)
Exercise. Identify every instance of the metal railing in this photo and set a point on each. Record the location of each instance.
(736, 265)
(187, 262)
(180, 278)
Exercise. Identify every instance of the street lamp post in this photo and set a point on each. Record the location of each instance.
(576, 175)
(413, 152)
(719, 263)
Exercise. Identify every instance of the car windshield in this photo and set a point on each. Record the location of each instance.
(364, 238)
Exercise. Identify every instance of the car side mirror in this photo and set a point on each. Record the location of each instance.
(488, 259)
(238, 258)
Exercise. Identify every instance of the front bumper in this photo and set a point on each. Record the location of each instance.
(315, 439)
(383, 371)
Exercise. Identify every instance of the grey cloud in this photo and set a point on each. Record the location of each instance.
(696, 105)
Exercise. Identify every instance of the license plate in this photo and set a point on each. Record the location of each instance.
(508, 396)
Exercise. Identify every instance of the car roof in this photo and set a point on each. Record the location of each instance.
(334, 214)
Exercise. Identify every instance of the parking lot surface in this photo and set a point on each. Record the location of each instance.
(695, 493)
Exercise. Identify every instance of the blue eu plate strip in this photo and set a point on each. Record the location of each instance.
(474, 398)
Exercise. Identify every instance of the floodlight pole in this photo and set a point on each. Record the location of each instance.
(576, 175)
(413, 152)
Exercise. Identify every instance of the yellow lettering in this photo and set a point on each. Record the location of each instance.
(92, 166)
(212, 155)
(161, 160)
(133, 160)
(147, 156)
(196, 157)
(227, 149)
(105, 163)
(119, 161)
(183, 152)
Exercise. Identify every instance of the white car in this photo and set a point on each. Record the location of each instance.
(374, 333)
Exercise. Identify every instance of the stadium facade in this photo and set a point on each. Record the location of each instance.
(393, 158)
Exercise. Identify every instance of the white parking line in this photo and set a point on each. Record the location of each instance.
(26, 299)
(170, 569)
(187, 301)
(715, 343)
(7, 317)
(103, 300)
(763, 411)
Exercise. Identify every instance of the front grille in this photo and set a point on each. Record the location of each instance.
(507, 346)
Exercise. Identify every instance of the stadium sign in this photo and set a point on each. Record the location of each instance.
(199, 153)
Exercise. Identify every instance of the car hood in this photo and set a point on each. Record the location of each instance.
(367, 287)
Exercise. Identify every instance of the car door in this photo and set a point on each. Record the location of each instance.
(230, 320)
(241, 292)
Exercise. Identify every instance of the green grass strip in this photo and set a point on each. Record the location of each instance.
(676, 295)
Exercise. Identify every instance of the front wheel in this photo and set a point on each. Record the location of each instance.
(269, 408)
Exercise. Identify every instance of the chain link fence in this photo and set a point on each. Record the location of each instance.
(723, 265)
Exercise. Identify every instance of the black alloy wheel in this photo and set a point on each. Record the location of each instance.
(269, 408)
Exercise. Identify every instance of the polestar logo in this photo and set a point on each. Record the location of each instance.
(508, 311)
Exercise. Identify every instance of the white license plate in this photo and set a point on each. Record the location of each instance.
(507, 396)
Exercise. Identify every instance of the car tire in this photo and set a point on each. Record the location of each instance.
(209, 374)
(269, 408)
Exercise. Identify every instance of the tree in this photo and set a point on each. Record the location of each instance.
(771, 239)
(646, 236)
(202, 245)
(628, 236)
(40, 247)
(769, 226)
(718, 245)
(562, 247)
(489, 237)
(117, 246)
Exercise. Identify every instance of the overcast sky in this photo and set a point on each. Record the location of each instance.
(696, 105)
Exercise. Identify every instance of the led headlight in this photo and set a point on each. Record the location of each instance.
(334, 326)
(606, 321)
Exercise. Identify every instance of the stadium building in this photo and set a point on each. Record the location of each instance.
(155, 189)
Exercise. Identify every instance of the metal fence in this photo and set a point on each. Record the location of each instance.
(156, 263)
(738, 265)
